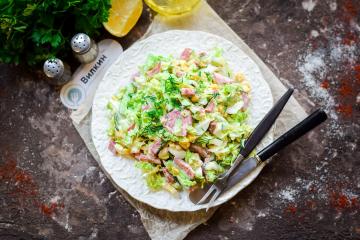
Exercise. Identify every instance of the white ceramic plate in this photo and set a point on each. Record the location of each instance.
(122, 170)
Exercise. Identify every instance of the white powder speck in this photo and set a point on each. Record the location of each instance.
(261, 214)
(323, 30)
(67, 226)
(358, 98)
(111, 194)
(333, 6)
(221, 237)
(338, 215)
(355, 25)
(55, 199)
(309, 5)
(288, 194)
(350, 194)
(94, 234)
(334, 154)
(249, 227)
(90, 171)
(314, 33)
(103, 180)
(257, 8)
(308, 185)
(321, 166)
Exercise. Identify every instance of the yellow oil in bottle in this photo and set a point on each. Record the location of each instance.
(172, 7)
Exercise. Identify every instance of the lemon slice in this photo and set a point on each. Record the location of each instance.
(123, 15)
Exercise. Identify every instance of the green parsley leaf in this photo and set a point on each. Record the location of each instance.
(32, 31)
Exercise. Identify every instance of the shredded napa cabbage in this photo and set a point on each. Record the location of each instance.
(192, 108)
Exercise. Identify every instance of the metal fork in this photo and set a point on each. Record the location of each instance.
(220, 183)
(255, 137)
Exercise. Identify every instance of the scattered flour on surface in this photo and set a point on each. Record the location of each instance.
(309, 185)
(350, 194)
(309, 5)
(288, 194)
(319, 65)
(313, 67)
(340, 52)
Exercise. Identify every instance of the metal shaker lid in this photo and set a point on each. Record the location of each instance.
(53, 68)
(80, 43)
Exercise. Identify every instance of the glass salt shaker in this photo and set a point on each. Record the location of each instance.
(85, 49)
(57, 72)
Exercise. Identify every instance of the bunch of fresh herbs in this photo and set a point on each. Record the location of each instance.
(32, 31)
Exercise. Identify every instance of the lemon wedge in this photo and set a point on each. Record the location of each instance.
(123, 15)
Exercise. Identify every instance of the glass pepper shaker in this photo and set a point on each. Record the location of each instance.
(57, 72)
(85, 49)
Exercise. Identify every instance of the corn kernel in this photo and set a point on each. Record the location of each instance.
(220, 108)
(118, 134)
(125, 151)
(184, 64)
(195, 77)
(175, 171)
(202, 64)
(246, 87)
(214, 87)
(194, 98)
(184, 144)
(191, 138)
(239, 77)
(164, 154)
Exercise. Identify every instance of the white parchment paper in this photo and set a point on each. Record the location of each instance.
(165, 225)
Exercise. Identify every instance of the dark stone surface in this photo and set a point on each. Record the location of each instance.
(52, 188)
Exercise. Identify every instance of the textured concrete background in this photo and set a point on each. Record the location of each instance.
(52, 188)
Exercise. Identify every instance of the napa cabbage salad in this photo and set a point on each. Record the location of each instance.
(182, 119)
